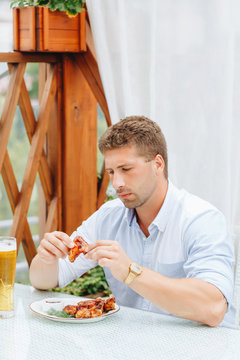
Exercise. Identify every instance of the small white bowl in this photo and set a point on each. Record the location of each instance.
(52, 303)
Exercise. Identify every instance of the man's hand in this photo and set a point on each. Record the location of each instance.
(111, 254)
(53, 246)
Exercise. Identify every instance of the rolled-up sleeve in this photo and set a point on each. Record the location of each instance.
(209, 252)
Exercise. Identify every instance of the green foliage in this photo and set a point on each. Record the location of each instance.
(71, 7)
(61, 314)
(92, 282)
(22, 3)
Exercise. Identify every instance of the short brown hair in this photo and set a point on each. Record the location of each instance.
(140, 131)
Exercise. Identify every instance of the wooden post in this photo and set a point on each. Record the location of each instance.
(54, 152)
(79, 147)
(49, 220)
(42, 77)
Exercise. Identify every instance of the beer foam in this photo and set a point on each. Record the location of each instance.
(6, 245)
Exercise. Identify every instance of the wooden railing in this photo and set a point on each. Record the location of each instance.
(69, 89)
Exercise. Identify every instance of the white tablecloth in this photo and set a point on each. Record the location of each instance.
(128, 334)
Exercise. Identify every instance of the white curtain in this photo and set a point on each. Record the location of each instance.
(178, 63)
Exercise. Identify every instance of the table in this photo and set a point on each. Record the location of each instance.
(128, 334)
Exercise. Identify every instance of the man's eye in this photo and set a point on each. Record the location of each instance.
(110, 172)
(126, 169)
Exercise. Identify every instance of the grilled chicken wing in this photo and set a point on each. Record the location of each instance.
(90, 308)
(79, 248)
(89, 303)
(70, 309)
(109, 304)
(92, 311)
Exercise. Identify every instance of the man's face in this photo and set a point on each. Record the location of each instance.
(133, 176)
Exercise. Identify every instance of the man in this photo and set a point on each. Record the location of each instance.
(162, 249)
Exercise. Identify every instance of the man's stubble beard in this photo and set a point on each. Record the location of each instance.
(133, 204)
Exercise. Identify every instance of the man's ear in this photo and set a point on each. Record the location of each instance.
(160, 164)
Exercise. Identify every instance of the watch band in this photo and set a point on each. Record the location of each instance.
(131, 276)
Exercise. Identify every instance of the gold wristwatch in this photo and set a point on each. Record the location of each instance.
(134, 270)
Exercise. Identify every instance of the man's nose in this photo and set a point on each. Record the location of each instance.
(117, 181)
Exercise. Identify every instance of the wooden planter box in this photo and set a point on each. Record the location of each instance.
(36, 28)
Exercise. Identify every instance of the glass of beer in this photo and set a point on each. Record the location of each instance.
(8, 257)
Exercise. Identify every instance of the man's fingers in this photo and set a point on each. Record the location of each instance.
(53, 246)
(46, 256)
(103, 252)
(58, 243)
(103, 248)
(101, 243)
(105, 262)
(63, 237)
(56, 248)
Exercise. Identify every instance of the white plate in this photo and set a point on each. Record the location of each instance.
(37, 308)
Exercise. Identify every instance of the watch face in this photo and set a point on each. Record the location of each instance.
(135, 268)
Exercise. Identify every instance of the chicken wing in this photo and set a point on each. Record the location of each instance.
(89, 303)
(109, 304)
(70, 309)
(79, 248)
(93, 310)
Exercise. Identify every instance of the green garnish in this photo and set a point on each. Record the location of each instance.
(61, 314)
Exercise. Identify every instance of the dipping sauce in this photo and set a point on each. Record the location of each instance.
(52, 303)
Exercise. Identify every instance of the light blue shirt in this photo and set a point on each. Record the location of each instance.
(188, 238)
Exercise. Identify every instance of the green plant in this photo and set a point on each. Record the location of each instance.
(92, 282)
(71, 7)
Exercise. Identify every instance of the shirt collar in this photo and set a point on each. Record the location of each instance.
(162, 217)
(130, 215)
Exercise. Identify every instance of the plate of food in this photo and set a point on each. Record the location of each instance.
(75, 311)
